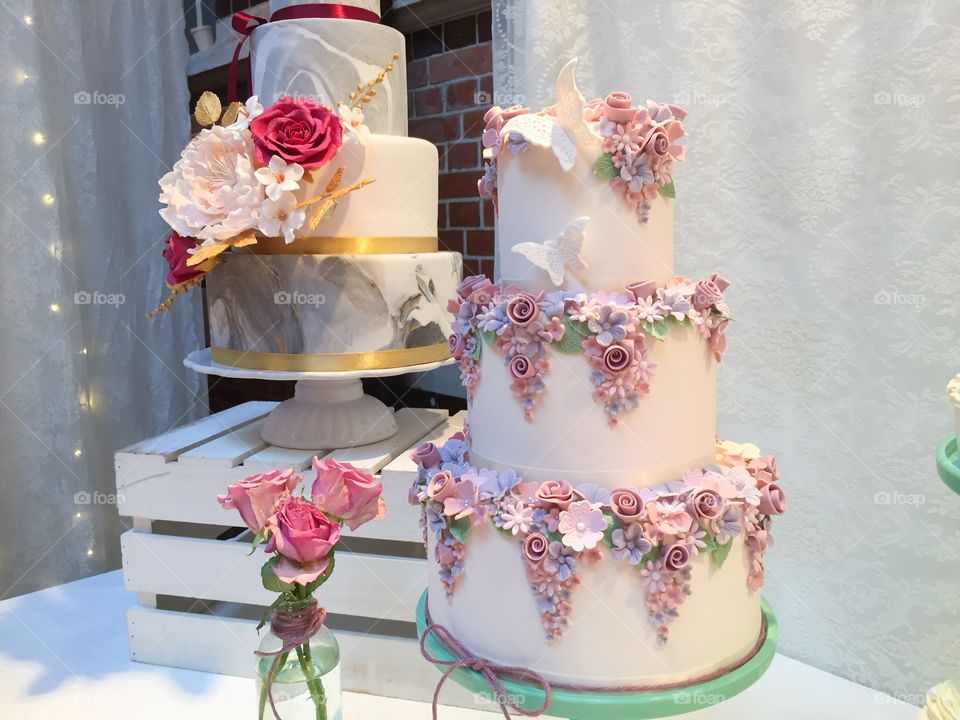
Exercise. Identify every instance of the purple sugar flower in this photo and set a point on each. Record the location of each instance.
(560, 561)
(493, 319)
(609, 325)
(629, 544)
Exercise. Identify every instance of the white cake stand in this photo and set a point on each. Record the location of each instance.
(328, 409)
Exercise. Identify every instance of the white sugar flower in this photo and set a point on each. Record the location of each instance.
(251, 109)
(352, 119)
(582, 525)
(212, 192)
(281, 217)
(278, 177)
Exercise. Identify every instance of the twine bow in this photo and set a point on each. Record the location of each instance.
(489, 671)
(294, 629)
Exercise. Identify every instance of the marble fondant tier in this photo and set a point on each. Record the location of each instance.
(321, 304)
(324, 59)
(609, 640)
(672, 429)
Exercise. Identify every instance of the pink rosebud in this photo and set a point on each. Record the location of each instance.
(535, 547)
(706, 504)
(676, 557)
(757, 541)
(557, 493)
(299, 131)
(772, 500)
(522, 309)
(472, 284)
(617, 358)
(656, 142)
(706, 294)
(626, 505)
(176, 255)
(720, 281)
(521, 367)
(617, 107)
(441, 486)
(347, 493)
(455, 345)
(642, 290)
(303, 535)
(426, 454)
(255, 497)
(593, 109)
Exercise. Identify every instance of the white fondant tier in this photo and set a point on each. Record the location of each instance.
(320, 304)
(609, 641)
(672, 430)
(325, 59)
(400, 202)
(537, 201)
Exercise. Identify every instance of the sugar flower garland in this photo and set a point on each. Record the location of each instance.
(614, 332)
(656, 532)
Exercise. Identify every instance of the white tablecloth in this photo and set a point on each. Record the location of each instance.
(63, 654)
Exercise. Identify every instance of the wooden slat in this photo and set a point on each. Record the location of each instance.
(278, 458)
(386, 666)
(228, 450)
(374, 586)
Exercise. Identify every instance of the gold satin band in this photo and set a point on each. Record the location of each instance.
(345, 246)
(331, 362)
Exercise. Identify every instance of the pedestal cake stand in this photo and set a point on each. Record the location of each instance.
(948, 463)
(328, 409)
(578, 704)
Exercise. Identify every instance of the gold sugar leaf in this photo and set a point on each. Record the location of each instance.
(321, 212)
(208, 109)
(231, 114)
(247, 237)
(335, 180)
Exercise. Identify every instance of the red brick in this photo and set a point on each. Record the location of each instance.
(417, 73)
(462, 94)
(486, 86)
(473, 123)
(464, 156)
(486, 267)
(428, 101)
(456, 64)
(480, 242)
(465, 214)
(472, 266)
(451, 240)
(489, 217)
(436, 129)
(457, 185)
(442, 217)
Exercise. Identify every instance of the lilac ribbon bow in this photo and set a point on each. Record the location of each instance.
(491, 673)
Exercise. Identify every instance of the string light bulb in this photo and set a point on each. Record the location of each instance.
(47, 199)
(83, 351)
(54, 308)
(89, 551)
(78, 452)
(38, 138)
(20, 77)
(28, 20)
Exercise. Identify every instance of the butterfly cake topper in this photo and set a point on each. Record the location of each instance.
(559, 254)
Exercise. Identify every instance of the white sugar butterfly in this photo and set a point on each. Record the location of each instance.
(544, 131)
(556, 255)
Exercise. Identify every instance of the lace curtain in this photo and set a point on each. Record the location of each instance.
(95, 110)
(822, 178)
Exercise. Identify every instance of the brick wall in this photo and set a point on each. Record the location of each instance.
(450, 81)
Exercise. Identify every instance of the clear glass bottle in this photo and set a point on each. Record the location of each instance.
(306, 682)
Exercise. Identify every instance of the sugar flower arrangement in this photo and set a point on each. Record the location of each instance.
(614, 332)
(301, 532)
(656, 532)
(239, 178)
(637, 145)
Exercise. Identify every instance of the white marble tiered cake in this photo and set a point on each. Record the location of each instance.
(589, 526)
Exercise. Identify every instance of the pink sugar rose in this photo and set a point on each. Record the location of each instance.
(521, 367)
(593, 109)
(758, 541)
(496, 117)
(441, 486)
(426, 454)
(255, 497)
(706, 504)
(618, 108)
(473, 284)
(347, 493)
(772, 500)
(764, 469)
(535, 547)
(626, 505)
(304, 536)
(720, 281)
(676, 557)
(617, 357)
(656, 142)
(176, 255)
(642, 290)
(557, 493)
(455, 345)
(522, 309)
(299, 131)
(706, 294)
(717, 340)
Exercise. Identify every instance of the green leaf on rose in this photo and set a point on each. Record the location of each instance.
(310, 587)
(270, 580)
(477, 349)
(490, 338)
(668, 190)
(720, 554)
(656, 329)
(258, 540)
(572, 340)
(604, 168)
(459, 529)
(711, 543)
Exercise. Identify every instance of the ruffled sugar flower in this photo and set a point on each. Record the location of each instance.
(298, 130)
(281, 217)
(629, 544)
(560, 561)
(581, 525)
(555, 493)
(278, 177)
(212, 192)
(670, 517)
(517, 517)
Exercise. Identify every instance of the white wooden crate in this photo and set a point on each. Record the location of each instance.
(199, 595)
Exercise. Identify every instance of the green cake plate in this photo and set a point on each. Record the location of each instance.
(599, 705)
(948, 463)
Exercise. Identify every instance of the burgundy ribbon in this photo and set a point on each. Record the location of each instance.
(294, 629)
(245, 24)
(490, 672)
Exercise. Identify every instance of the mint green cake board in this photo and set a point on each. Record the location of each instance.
(948, 464)
(580, 705)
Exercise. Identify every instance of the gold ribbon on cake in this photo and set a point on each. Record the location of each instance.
(331, 362)
(345, 246)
